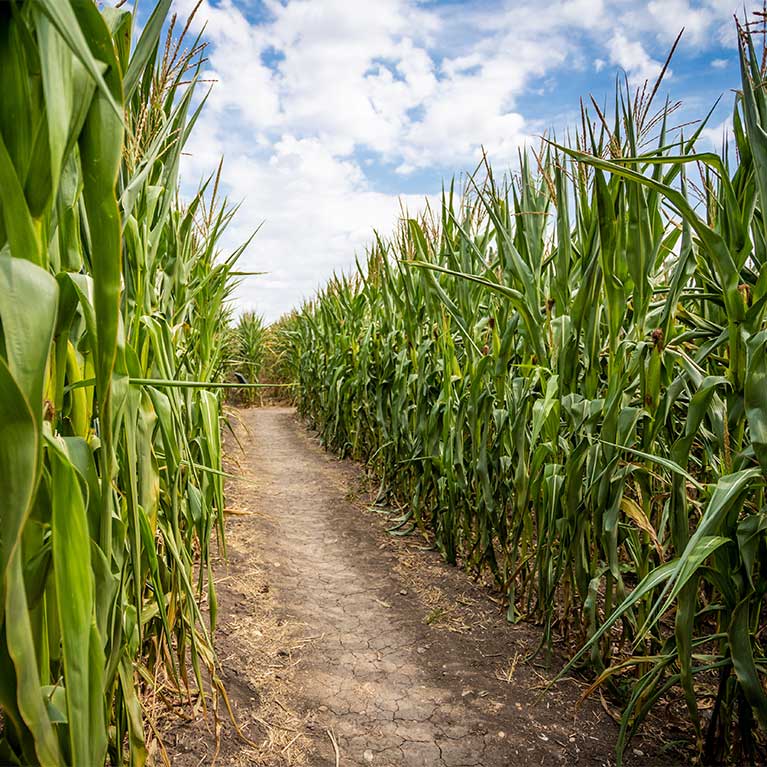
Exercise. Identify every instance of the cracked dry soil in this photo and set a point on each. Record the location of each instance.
(392, 657)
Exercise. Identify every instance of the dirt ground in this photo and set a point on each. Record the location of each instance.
(340, 644)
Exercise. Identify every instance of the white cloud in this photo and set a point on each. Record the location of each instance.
(320, 100)
(243, 82)
(631, 56)
(715, 136)
(704, 21)
(320, 211)
(669, 17)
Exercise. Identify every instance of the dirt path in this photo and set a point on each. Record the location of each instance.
(334, 635)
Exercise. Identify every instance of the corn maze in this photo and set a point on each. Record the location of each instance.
(563, 379)
(558, 378)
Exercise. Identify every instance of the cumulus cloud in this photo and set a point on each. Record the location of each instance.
(317, 102)
(670, 16)
(318, 211)
(715, 136)
(631, 56)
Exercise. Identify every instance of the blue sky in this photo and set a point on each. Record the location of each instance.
(332, 114)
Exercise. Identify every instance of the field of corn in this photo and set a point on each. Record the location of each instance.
(112, 306)
(562, 379)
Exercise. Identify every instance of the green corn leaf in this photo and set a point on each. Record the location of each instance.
(74, 593)
(755, 395)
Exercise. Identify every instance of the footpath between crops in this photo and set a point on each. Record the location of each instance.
(340, 644)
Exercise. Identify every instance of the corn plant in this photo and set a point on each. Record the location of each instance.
(275, 361)
(112, 301)
(249, 347)
(562, 378)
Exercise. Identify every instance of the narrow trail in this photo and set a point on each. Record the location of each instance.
(389, 655)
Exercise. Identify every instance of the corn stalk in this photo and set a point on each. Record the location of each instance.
(562, 378)
(111, 489)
